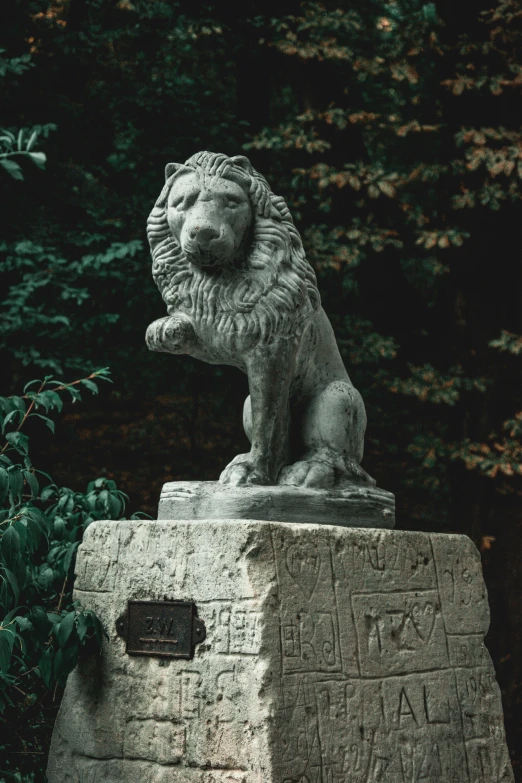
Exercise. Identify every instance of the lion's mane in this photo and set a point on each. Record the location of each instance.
(274, 290)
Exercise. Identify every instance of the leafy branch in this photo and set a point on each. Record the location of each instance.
(22, 143)
(14, 406)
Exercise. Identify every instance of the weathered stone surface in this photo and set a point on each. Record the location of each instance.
(231, 268)
(333, 655)
(359, 505)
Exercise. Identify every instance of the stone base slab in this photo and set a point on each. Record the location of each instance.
(333, 655)
(359, 505)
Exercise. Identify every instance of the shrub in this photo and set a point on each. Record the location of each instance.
(43, 631)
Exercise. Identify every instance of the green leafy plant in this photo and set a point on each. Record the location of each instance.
(51, 310)
(42, 630)
(21, 145)
(14, 65)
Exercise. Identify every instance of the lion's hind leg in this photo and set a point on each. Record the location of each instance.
(332, 432)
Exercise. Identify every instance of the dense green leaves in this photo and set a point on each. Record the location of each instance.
(14, 147)
(52, 308)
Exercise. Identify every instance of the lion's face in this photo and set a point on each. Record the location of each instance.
(209, 218)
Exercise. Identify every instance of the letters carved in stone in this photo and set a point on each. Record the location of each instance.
(333, 655)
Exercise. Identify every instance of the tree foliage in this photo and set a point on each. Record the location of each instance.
(407, 152)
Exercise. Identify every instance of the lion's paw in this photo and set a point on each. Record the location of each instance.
(243, 471)
(324, 474)
(308, 473)
(354, 473)
(172, 334)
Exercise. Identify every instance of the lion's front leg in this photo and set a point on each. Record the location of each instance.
(270, 371)
(172, 334)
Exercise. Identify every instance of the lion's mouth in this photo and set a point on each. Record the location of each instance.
(208, 256)
(206, 259)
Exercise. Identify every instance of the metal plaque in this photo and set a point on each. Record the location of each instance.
(163, 629)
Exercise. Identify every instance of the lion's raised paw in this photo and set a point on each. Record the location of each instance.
(172, 334)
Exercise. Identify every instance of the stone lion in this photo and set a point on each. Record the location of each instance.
(231, 268)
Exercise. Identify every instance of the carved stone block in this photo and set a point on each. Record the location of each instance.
(333, 655)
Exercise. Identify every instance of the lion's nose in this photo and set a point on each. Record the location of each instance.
(204, 234)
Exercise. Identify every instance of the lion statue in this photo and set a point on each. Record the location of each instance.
(231, 268)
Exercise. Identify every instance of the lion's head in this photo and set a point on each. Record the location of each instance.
(209, 216)
(225, 249)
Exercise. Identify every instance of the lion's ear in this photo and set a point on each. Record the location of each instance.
(170, 168)
(243, 163)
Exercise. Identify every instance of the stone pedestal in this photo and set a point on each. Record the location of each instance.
(333, 655)
(358, 505)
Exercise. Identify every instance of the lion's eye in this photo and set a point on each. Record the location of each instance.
(178, 204)
(232, 204)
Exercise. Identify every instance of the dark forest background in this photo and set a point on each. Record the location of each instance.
(393, 130)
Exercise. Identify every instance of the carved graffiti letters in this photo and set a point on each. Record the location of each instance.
(417, 703)
(332, 656)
